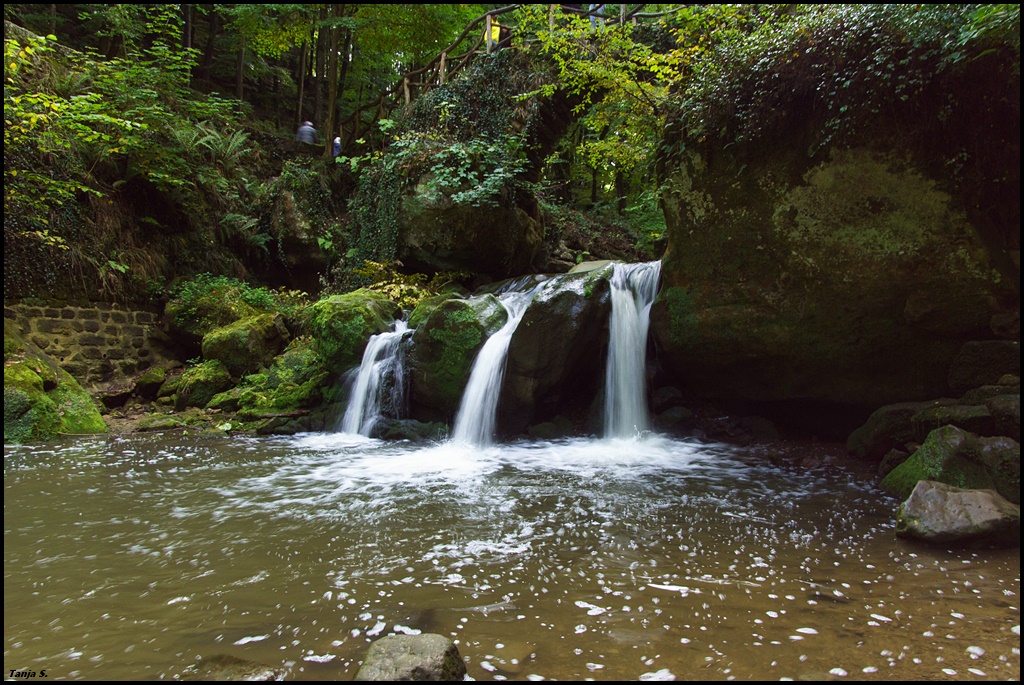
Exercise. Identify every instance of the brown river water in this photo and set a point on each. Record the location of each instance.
(656, 559)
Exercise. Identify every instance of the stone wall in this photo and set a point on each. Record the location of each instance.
(101, 345)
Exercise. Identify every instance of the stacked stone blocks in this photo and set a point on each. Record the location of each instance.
(100, 345)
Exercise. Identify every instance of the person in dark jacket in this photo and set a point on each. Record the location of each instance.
(306, 133)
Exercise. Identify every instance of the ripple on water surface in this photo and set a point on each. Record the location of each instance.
(651, 559)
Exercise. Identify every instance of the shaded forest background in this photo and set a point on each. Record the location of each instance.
(146, 144)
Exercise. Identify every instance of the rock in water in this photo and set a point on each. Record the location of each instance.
(226, 667)
(944, 514)
(412, 657)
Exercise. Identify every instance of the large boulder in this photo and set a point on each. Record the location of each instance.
(840, 256)
(412, 657)
(956, 457)
(248, 344)
(1005, 411)
(203, 304)
(42, 400)
(984, 362)
(556, 356)
(829, 279)
(296, 380)
(444, 348)
(200, 383)
(341, 325)
(942, 514)
(889, 427)
(497, 240)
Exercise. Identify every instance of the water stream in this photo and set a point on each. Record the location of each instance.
(379, 382)
(633, 557)
(131, 558)
(633, 287)
(474, 423)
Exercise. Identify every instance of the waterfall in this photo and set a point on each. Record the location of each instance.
(633, 287)
(379, 383)
(474, 424)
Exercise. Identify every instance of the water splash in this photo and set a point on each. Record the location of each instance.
(379, 384)
(474, 424)
(633, 287)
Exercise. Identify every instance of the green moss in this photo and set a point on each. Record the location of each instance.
(458, 339)
(213, 309)
(29, 414)
(79, 413)
(446, 344)
(41, 401)
(425, 307)
(247, 344)
(682, 313)
(200, 383)
(148, 384)
(341, 325)
(946, 456)
(295, 380)
(225, 401)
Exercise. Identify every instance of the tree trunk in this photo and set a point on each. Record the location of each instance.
(321, 60)
(621, 192)
(332, 81)
(239, 72)
(343, 79)
(302, 83)
(207, 65)
(186, 27)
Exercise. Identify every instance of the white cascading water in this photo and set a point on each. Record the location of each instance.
(474, 424)
(382, 360)
(633, 288)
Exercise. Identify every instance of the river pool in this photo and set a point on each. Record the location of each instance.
(656, 559)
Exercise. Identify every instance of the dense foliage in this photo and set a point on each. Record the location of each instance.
(144, 142)
(760, 66)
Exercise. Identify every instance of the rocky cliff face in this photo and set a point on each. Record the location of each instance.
(851, 274)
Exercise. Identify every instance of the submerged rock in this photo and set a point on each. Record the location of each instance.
(412, 657)
(227, 667)
(938, 513)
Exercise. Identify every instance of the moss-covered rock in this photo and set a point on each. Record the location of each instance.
(296, 380)
(148, 384)
(956, 457)
(427, 305)
(225, 401)
(850, 274)
(499, 241)
(189, 319)
(247, 344)
(445, 347)
(974, 419)
(341, 325)
(200, 383)
(42, 400)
